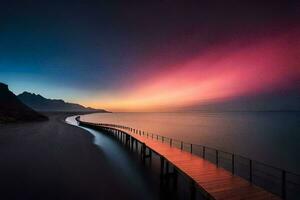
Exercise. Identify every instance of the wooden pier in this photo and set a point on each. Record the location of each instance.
(214, 182)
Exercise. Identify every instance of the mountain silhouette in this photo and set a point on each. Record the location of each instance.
(40, 103)
(13, 110)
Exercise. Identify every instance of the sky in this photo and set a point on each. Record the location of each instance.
(152, 55)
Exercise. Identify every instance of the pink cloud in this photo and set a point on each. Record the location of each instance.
(222, 72)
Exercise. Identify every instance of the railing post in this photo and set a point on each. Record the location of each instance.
(163, 138)
(250, 171)
(283, 184)
(191, 148)
(217, 158)
(232, 163)
(170, 142)
(203, 153)
(181, 145)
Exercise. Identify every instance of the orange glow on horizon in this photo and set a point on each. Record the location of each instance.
(221, 73)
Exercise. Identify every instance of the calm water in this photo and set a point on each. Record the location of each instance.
(269, 137)
(120, 160)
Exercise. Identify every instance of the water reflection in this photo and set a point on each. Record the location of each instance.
(128, 170)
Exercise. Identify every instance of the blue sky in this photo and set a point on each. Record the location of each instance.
(85, 51)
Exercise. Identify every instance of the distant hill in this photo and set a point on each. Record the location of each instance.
(13, 110)
(40, 103)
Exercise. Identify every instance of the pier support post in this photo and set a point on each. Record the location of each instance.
(127, 140)
(136, 146)
(143, 152)
(167, 167)
(162, 167)
(193, 190)
(150, 157)
(131, 144)
(124, 138)
(175, 179)
(168, 175)
(145, 155)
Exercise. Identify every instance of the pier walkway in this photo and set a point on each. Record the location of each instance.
(213, 181)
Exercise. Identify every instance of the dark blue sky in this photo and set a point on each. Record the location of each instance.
(71, 49)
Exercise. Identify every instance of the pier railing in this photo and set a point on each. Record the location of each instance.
(278, 181)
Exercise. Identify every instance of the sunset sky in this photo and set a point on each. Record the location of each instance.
(150, 56)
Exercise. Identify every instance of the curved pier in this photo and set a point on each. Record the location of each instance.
(213, 181)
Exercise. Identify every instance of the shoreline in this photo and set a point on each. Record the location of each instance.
(54, 160)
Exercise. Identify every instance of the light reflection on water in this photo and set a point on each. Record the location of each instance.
(119, 159)
(270, 137)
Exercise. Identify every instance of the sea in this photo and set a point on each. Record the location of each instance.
(272, 138)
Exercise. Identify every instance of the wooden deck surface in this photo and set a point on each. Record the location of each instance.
(216, 182)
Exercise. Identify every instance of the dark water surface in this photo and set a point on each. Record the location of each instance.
(128, 170)
(269, 137)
